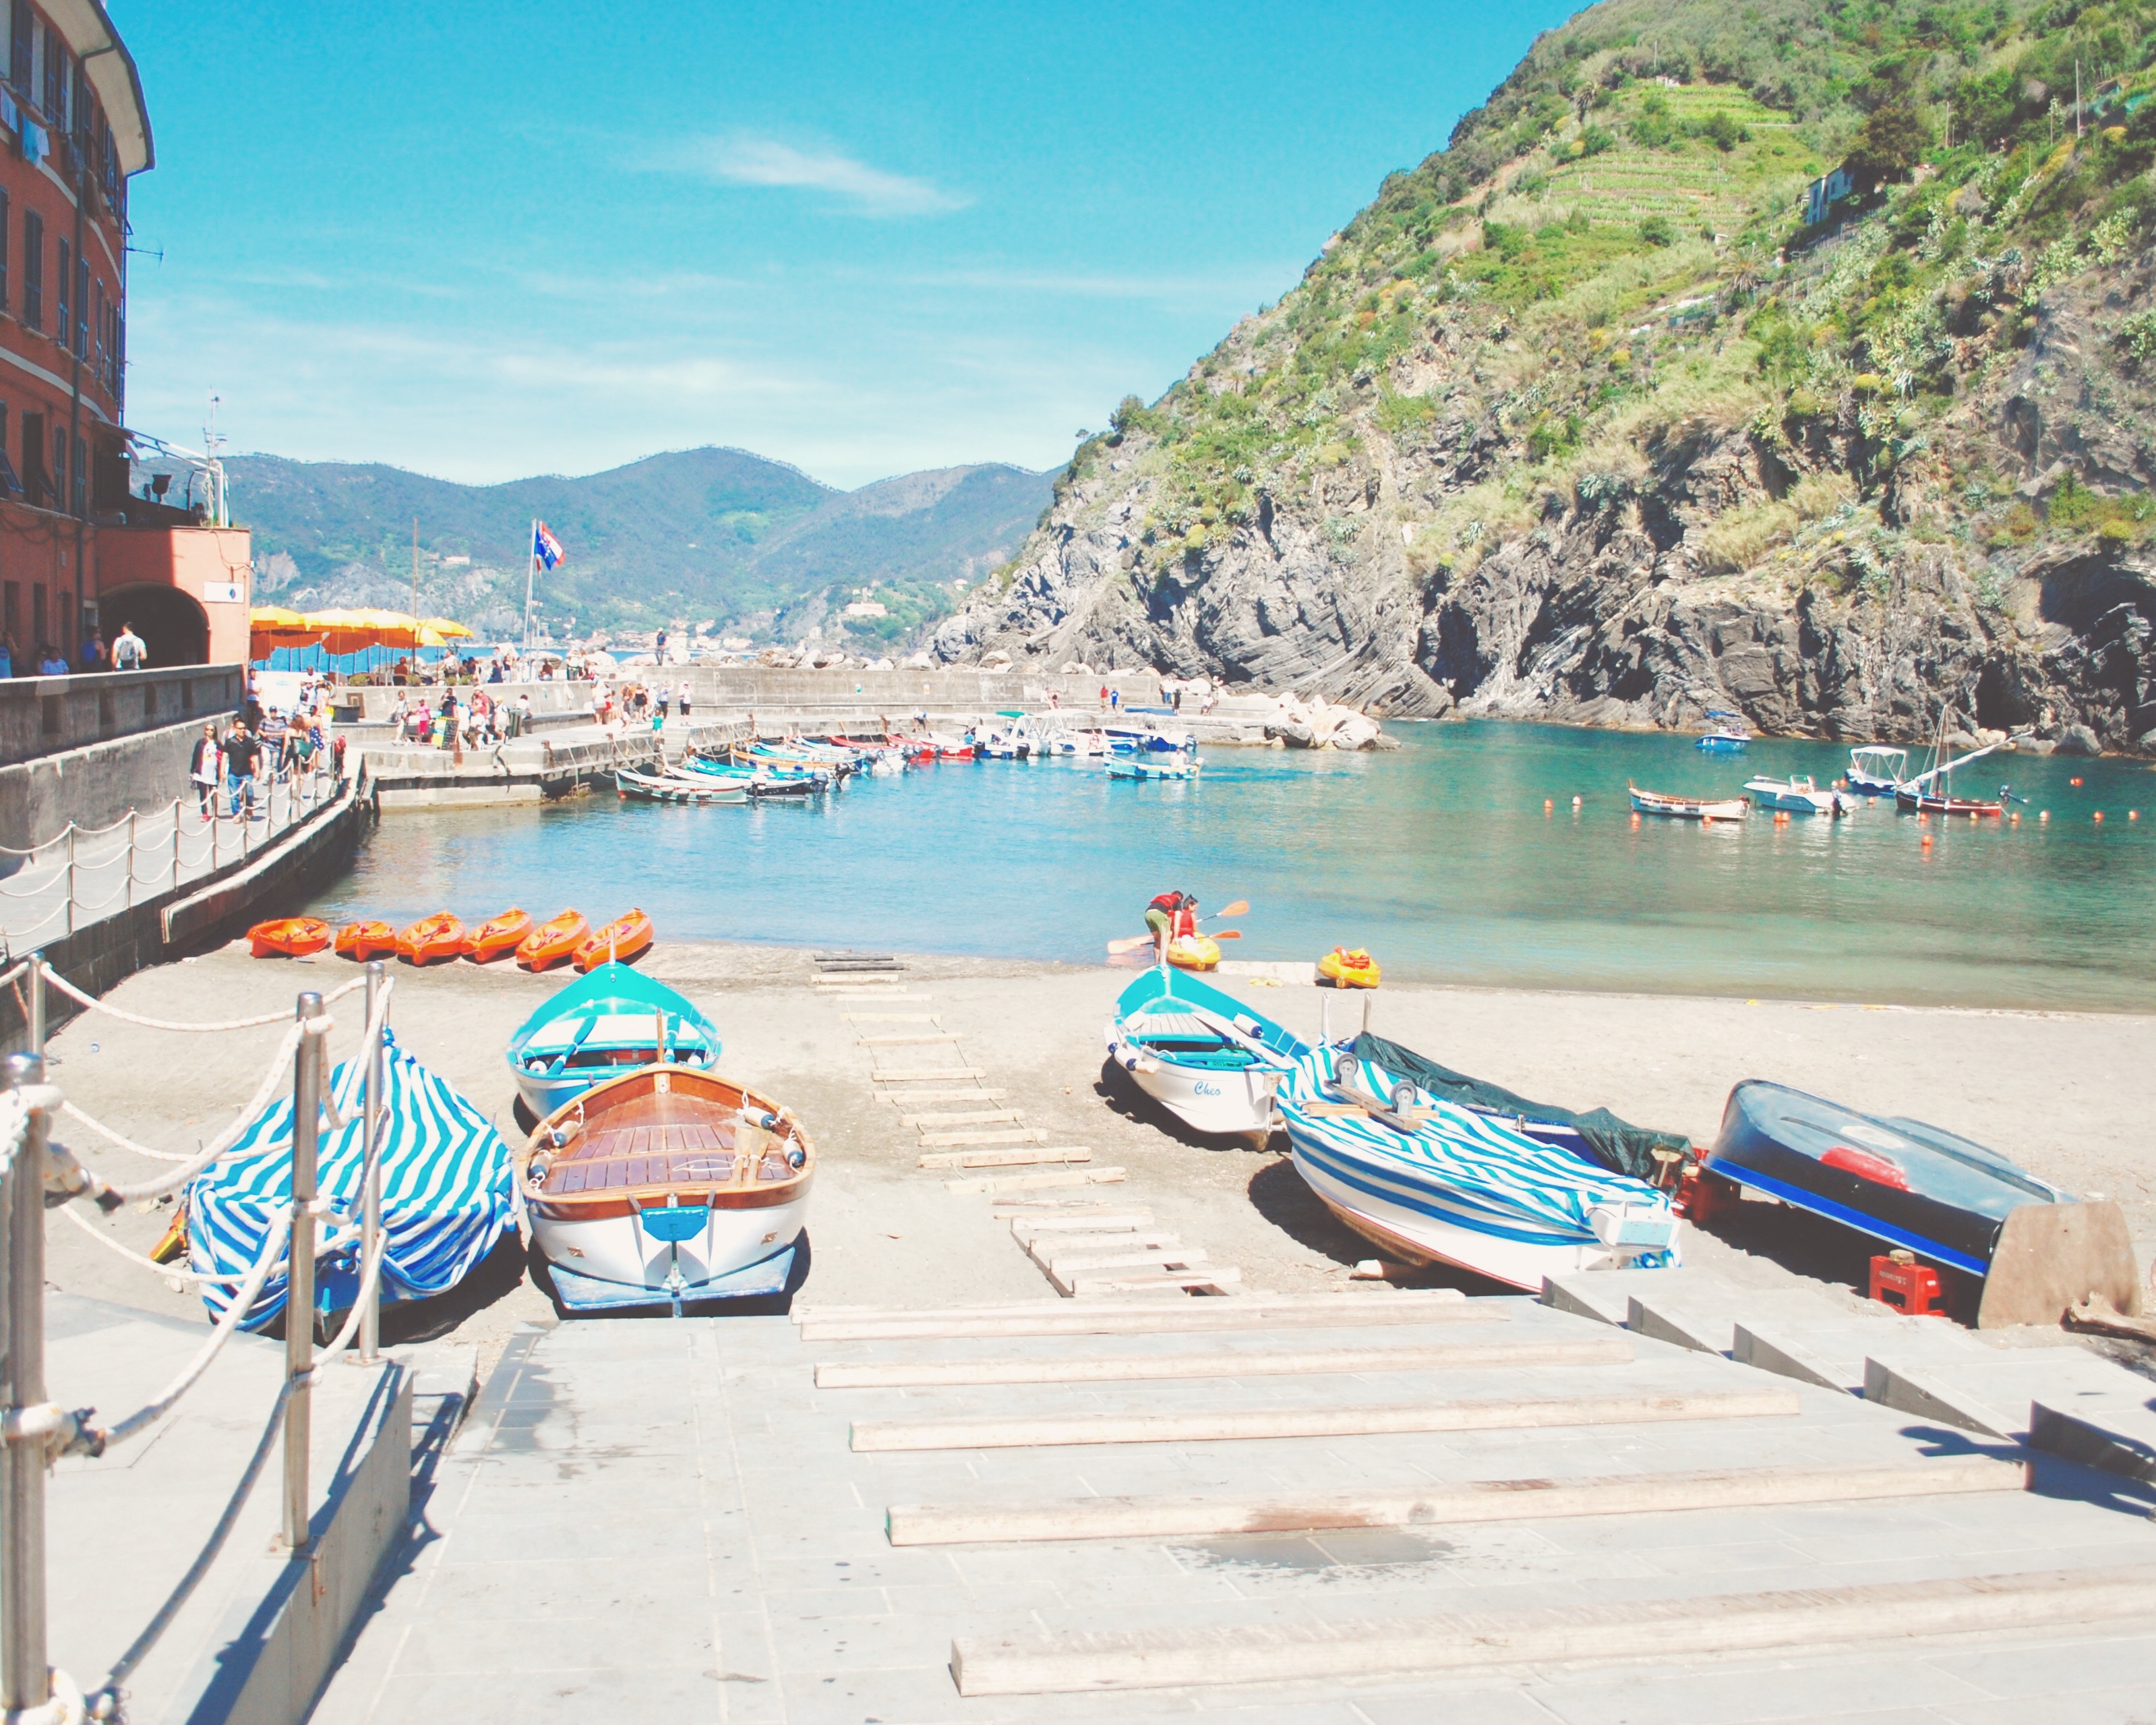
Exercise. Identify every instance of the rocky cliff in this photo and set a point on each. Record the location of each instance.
(1609, 414)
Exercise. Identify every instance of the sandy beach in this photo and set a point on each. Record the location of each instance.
(2053, 1090)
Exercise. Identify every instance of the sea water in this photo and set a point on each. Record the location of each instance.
(1460, 857)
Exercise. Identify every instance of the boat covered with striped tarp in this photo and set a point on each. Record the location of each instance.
(1432, 1181)
(448, 1195)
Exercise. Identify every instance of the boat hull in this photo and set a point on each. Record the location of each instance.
(1224, 1102)
(1690, 808)
(613, 1262)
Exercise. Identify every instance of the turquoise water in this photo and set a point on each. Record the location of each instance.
(1440, 858)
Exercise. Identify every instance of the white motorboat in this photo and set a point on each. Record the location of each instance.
(1799, 797)
(1875, 770)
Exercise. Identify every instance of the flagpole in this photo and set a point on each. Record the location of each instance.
(531, 575)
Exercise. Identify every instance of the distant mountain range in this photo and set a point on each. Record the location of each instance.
(712, 536)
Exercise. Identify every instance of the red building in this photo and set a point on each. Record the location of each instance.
(77, 552)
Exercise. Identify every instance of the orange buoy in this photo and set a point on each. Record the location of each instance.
(361, 941)
(2043, 814)
(2015, 819)
(438, 936)
(2133, 814)
(553, 941)
(2073, 781)
(1927, 841)
(2099, 815)
(288, 937)
(624, 938)
(1635, 819)
(498, 936)
(1549, 805)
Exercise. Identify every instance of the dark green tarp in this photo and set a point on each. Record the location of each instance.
(1626, 1147)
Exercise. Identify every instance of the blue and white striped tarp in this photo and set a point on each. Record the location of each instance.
(447, 1196)
(1461, 1167)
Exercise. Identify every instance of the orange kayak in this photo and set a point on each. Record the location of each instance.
(288, 937)
(438, 936)
(553, 941)
(364, 941)
(624, 938)
(498, 937)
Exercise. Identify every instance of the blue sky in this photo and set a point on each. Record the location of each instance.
(484, 240)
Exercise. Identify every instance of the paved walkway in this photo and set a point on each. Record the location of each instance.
(667, 1520)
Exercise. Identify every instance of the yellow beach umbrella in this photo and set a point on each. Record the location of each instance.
(448, 628)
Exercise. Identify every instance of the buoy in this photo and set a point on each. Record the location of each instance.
(1575, 802)
(1972, 814)
(2043, 814)
(2133, 814)
(1922, 818)
(2099, 814)
(1927, 841)
(1707, 819)
(1549, 804)
(2013, 820)
(1635, 819)
(2073, 781)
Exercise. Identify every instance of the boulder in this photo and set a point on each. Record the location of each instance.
(2079, 740)
(1354, 731)
(2147, 743)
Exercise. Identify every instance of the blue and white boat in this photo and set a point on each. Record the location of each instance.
(1729, 737)
(1203, 1055)
(448, 1195)
(1152, 766)
(602, 1025)
(1149, 735)
(1875, 770)
(1432, 1181)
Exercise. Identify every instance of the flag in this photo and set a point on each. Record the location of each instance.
(545, 546)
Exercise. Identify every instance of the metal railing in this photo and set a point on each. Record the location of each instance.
(40, 1175)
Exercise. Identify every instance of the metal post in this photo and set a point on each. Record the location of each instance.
(370, 1320)
(36, 1028)
(25, 1682)
(131, 859)
(70, 877)
(176, 842)
(300, 1281)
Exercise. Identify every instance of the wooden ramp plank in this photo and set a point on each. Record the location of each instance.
(908, 1041)
(1446, 1505)
(1216, 1277)
(1302, 1649)
(1237, 1424)
(1440, 1357)
(1005, 1158)
(906, 1099)
(918, 1074)
(1345, 1311)
(975, 1117)
(1034, 1182)
(1000, 1135)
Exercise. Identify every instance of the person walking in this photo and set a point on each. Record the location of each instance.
(665, 701)
(6, 655)
(684, 701)
(129, 653)
(93, 651)
(202, 773)
(241, 753)
(521, 717)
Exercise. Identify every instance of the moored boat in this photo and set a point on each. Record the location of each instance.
(1205, 1057)
(1875, 770)
(1122, 766)
(1432, 1181)
(666, 1185)
(1797, 796)
(612, 1018)
(1729, 737)
(554, 941)
(1900, 1180)
(626, 937)
(432, 938)
(1931, 793)
(652, 787)
(370, 938)
(1690, 808)
(289, 937)
(498, 936)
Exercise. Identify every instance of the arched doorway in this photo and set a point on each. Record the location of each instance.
(171, 623)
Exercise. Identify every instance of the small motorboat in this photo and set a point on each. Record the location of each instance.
(612, 1019)
(553, 942)
(626, 936)
(1897, 1180)
(1149, 736)
(1875, 770)
(1690, 808)
(666, 1185)
(361, 941)
(1729, 737)
(289, 937)
(1126, 766)
(1347, 967)
(498, 936)
(652, 787)
(1203, 1055)
(1432, 1181)
(432, 938)
(1193, 952)
(1798, 796)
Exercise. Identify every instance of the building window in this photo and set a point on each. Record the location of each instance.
(79, 493)
(61, 277)
(34, 269)
(56, 80)
(35, 488)
(20, 51)
(38, 621)
(5, 301)
(82, 112)
(82, 305)
(59, 469)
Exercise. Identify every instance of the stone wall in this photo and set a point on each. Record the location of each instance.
(42, 716)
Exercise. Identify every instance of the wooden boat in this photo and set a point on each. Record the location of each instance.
(1928, 793)
(1798, 796)
(1690, 808)
(1351, 968)
(666, 1185)
(624, 938)
(1203, 1055)
(754, 781)
(1876, 770)
(498, 936)
(289, 937)
(1897, 1180)
(1433, 1182)
(1193, 952)
(612, 1019)
(651, 787)
(432, 938)
(553, 942)
(361, 941)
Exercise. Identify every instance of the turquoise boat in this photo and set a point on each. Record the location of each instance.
(1205, 1057)
(601, 1026)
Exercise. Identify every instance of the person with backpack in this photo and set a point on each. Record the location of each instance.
(128, 651)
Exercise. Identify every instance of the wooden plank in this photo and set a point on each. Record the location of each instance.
(1051, 1248)
(1447, 1505)
(908, 1042)
(905, 1098)
(903, 1075)
(1172, 1252)
(1436, 1356)
(887, 1017)
(1000, 1135)
(1005, 1158)
(1023, 1228)
(976, 1117)
(1341, 1311)
(1216, 1279)
(1235, 1425)
(1037, 1182)
(1296, 1648)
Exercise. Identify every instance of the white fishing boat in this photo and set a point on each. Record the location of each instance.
(1690, 808)
(1876, 769)
(1203, 1055)
(1799, 797)
(663, 1187)
(1433, 1182)
(1152, 766)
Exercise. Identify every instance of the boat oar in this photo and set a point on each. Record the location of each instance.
(1130, 944)
(1235, 909)
(1226, 934)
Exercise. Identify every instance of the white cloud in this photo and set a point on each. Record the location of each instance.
(747, 161)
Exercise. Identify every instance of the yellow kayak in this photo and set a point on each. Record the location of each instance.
(1348, 970)
(1194, 952)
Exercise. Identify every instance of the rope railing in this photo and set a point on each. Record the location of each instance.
(36, 1174)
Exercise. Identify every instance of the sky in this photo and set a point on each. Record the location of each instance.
(484, 240)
